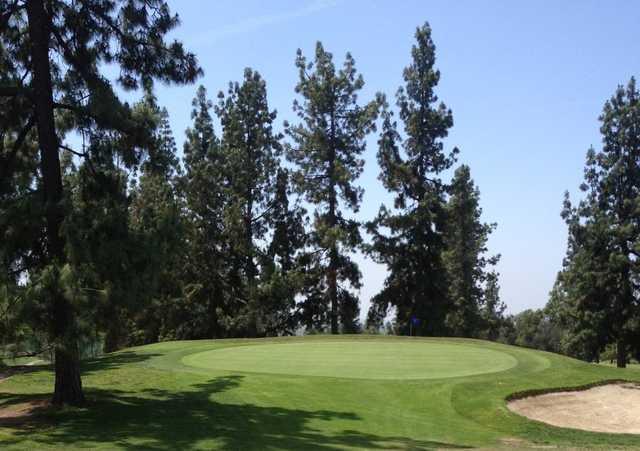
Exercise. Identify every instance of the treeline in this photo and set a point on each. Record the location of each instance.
(107, 234)
(593, 312)
(251, 233)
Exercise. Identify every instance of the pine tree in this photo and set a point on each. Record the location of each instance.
(60, 46)
(211, 291)
(601, 268)
(493, 309)
(408, 238)
(465, 256)
(250, 148)
(98, 242)
(156, 221)
(326, 147)
(282, 276)
(161, 156)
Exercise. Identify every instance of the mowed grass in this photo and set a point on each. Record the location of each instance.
(363, 359)
(366, 393)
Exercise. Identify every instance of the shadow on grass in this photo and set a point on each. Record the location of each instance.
(106, 362)
(9, 371)
(162, 420)
(115, 360)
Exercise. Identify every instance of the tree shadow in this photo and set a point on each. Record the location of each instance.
(12, 370)
(194, 418)
(114, 360)
(106, 362)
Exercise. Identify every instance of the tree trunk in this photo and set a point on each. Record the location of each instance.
(332, 280)
(68, 388)
(621, 354)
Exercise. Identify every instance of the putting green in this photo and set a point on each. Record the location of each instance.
(358, 359)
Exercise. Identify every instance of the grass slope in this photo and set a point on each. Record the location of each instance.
(265, 394)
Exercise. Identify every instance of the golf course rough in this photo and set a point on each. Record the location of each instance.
(368, 359)
(315, 392)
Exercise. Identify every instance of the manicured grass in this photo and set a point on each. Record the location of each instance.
(363, 359)
(272, 394)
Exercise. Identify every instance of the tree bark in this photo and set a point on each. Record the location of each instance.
(68, 386)
(621, 354)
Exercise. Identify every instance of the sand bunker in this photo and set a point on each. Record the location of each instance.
(607, 408)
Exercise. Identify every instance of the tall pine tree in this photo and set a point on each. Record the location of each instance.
(408, 238)
(465, 255)
(204, 186)
(250, 148)
(601, 271)
(326, 147)
(157, 222)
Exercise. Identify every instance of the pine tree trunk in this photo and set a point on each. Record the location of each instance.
(621, 354)
(333, 290)
(68, 388)
(68, 385)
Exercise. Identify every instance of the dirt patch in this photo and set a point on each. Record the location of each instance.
(22, 412)
(613, 408)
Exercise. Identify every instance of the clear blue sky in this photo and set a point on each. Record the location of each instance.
(525, 80)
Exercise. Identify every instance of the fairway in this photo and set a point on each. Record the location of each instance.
(357, 359)
(319, 393)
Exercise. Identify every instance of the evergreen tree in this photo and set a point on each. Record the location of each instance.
(250, 148)
(99, 246)
(161, 156)
(282, 276)
(326, 147)
(157, 222)
(601, 269)
(21, 229)
(492, 311)
(465, 256)
(60, 46)
(409, 237)
(209, 288)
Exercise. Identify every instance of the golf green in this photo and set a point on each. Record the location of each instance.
(370, 359)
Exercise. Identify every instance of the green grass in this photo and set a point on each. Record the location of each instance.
(366, 392)
(13, 361)
(361, 359)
